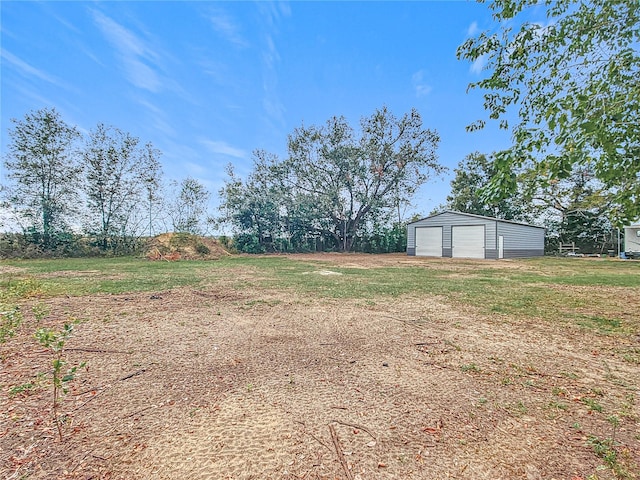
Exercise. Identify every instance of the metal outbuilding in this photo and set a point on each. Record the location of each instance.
(465, 235)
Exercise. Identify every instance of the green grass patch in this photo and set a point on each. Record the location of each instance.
(522, 290)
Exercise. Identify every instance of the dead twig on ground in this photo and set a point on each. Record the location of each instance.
(131, 375)
(304, 427)
(139, 411)
(96, 350)
(336, 444)
(107, 385)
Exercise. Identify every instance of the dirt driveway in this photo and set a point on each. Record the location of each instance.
(223, 384)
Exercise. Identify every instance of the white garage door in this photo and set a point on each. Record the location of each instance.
(429, 241)
(468, 241)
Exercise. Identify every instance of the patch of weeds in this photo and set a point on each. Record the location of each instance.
(605, 448)
(558, 405)
(592, 404)
(626, 409)
(506, 381)
(631, 355)
(600, 324)
(24, 288)
(498, 309)
(559, 392)
(470, 368)
(250, 387)
(569, 375)
(518, 409)
(10, 320)
(25, 388)
(55, 341)
(40, 311)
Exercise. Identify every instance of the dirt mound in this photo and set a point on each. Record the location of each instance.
(184, 246)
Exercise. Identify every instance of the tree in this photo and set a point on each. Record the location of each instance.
(474, 172)
(151, 179)
(189, 207)
(574, 82)
(345, 178)
(256, 207)
(117, 175)
(42, 164)
(573, 209)
(334, 180)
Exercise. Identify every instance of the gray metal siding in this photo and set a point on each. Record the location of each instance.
(446, 221)
(523, 253)
(520, 240)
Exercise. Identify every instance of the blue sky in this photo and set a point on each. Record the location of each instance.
(209, 82)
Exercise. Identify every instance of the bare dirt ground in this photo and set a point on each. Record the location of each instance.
(224, 384)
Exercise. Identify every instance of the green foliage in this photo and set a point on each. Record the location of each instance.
(202, 249)
(118, 174)
(10, 320)
(61, 375)
(189, 207)
(572, 77)
(21, 389)
(11, 292)
(335, 183)
(474, 172)
(537, 290)
(382, 239)
(592, 404)
(248, 243)
(44, 173)
(605, 448)
(46, 169)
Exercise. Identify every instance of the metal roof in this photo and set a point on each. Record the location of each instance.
(477, 216)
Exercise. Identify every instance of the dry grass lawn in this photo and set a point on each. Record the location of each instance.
(218, 381)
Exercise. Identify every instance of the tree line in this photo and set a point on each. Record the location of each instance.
(339, 188)
(94, 194)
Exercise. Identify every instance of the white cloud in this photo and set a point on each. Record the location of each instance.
(135, 54)
(227, 28)
(478, 65)
(271, 15)
(195, 169)
(158, 118)
(473, 29)
(28, 70)
(223, 148)
(419, 84)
